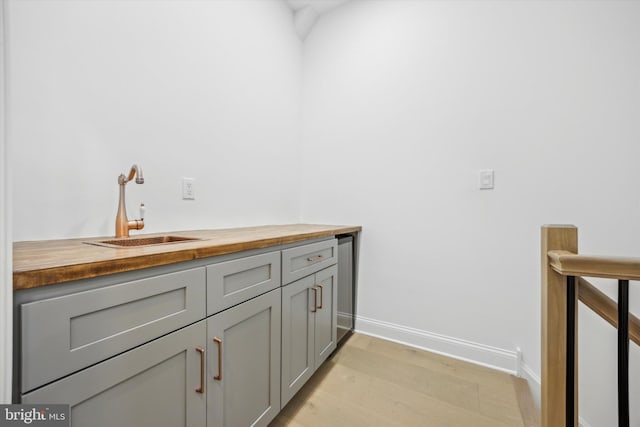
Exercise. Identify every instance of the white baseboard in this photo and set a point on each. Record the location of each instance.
(479, 354)
(534, 382)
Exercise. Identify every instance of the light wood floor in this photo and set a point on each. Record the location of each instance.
(372, 382)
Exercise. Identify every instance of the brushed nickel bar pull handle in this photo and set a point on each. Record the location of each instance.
(219, 342)
(201, 388)
(315, 299)
(315, 258)
(321, 297)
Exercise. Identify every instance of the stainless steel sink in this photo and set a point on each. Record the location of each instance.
(132, 242)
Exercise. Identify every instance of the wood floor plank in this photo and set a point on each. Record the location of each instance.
(500, 404)
(530, 414)
(372, 382)
(434, 361)
(432, 383)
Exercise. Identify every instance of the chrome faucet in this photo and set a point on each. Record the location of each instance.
(123, 225)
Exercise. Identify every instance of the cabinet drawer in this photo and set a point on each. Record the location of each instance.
(301, 261)
(232, 282)
(65, 334)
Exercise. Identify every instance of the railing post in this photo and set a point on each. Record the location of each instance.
(554, 329)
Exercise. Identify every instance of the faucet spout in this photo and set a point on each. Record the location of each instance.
(123, 225)
(135, 171)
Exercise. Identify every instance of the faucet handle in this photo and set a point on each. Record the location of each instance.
(143, 209)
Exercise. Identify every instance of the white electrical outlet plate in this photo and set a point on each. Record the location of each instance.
(188, 192)
(486, 179)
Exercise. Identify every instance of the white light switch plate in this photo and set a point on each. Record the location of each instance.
(486, 179)
(188, 192)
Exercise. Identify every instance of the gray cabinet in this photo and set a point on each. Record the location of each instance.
(243, 372)
(139, 349)
(161, 383)
(152, 385)
(309, 328)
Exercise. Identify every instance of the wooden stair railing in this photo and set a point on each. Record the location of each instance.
(562, 286)
(606, 308)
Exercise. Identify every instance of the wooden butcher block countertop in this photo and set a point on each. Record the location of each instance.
(47, 262)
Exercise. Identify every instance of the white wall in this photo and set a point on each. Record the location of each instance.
(6, 290)
(406, 100)
(202, 89)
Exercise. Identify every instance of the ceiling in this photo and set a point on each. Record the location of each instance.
(307, 12)
(319, 5)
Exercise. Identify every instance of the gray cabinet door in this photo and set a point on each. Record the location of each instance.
(298, 362)
(243, 372)
(152, 385)
(326, 314)
(309, 328)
